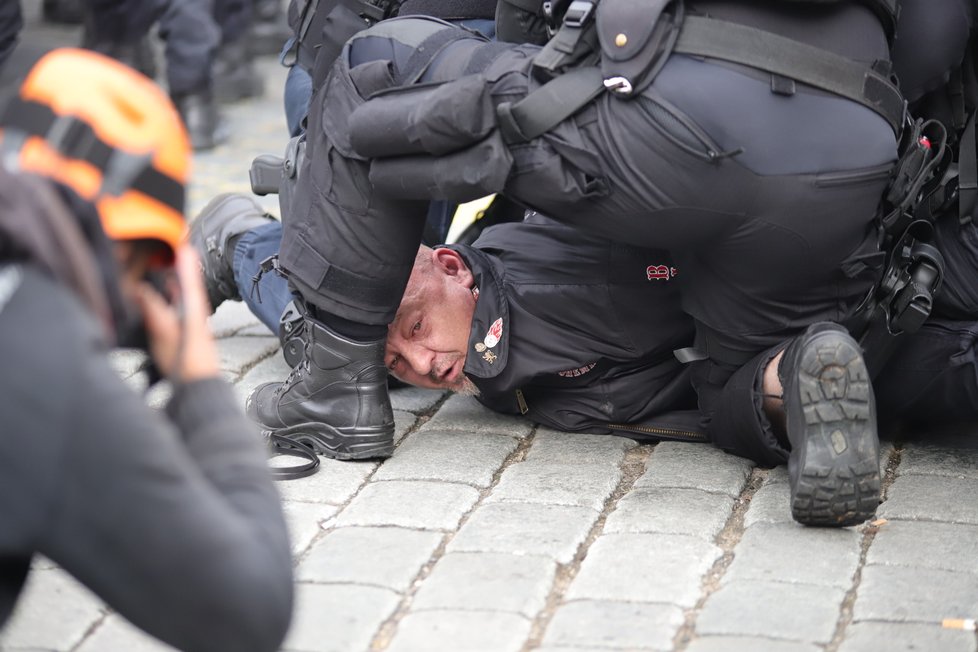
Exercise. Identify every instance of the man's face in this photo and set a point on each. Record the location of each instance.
(428, 339)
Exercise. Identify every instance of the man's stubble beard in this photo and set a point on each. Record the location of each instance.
(465, 387)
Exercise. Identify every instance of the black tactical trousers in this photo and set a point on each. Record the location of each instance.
(191, 29)
(766, 201)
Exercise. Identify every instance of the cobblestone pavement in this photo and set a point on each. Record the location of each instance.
(484, 532)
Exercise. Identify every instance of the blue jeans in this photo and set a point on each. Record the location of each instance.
(267, 299)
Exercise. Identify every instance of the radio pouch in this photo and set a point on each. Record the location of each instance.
(636, 37)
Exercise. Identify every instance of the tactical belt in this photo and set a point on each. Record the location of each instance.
(74, 138)
(535, 114)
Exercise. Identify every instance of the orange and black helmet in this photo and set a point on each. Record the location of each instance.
(108, 133)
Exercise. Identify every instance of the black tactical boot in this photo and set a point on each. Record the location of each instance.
(225, 217)
(202, 119)
(335, 399)
(831, 423)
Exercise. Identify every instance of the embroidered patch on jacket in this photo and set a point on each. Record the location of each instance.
(661, 272)
(580, 371)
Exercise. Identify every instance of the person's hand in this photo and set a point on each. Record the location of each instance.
(180, 340)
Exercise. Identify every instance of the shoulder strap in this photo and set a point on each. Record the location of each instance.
(558, 99)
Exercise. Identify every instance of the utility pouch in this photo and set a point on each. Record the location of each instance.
(636, 37)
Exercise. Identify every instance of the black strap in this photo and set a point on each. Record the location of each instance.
(75, 139)
(279, 445)
(552, 103)
(707, 37)
(70, 136)
(967, 172)
(566, 94)
(426, 52)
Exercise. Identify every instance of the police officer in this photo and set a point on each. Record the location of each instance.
(762, 179)
(193, 31)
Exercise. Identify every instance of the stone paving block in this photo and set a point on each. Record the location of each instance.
(797, 612)
(230, 315)
(460, 631)
(304, 521)
(929, 459)
(54, 612)
(415, 399)
(789, 552)
(525, 529)
(772, 502)
(932, 498)
(403, 423)
(906, 637)
(337, 617)
(901, 594)
(748, 644)
(694, 466)
(335, 482)
(465, 413)
(644, 568)
(671, 511)
(238, 353)
(126, 362)
(926, 545)
(416, 504)
(488, 581)
(588, 485)
(614, 625)
(117, 633)
(451, 456)
(388, 557)
(558, 447)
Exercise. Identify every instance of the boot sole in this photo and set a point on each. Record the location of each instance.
(376, 443)
(838, 482)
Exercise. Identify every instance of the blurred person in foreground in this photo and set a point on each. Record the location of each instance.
(170, 517)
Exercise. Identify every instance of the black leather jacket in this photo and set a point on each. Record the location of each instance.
(577, 332)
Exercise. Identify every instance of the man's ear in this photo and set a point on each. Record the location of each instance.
(450, 263)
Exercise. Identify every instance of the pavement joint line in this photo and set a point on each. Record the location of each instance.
(248, 366)
(324, 532)
(105, 612)
(387, 630)
(632, 467)
(727, 540)
(869, 531)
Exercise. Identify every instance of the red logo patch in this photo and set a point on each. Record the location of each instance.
(495, 332)
(661, 272)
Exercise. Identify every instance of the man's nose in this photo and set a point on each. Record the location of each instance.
(420, 359)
